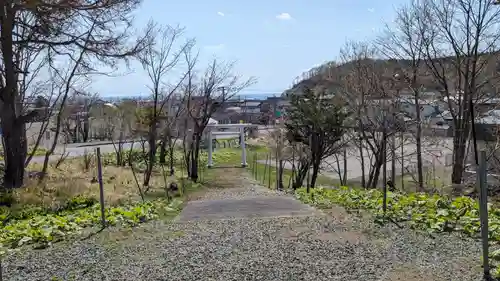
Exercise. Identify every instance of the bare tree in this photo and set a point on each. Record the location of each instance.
(403, 45)
(363, 87)
(171, 129)
(460, 46)
(341, 157)
(217, 84)
(279, 151)
(61, 28)
(161, 57)
(66, 79)
(121, 121)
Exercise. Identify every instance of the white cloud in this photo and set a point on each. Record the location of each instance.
(284, 16)
(214, 47)
(220, 14)
(371, 10)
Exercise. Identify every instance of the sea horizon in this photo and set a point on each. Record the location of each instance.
(243, 96)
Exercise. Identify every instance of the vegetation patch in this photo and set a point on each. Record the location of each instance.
(66, 201)
(44, 228)
(431, 213)
(39, 151)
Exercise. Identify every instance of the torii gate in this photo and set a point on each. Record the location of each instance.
(211, 131)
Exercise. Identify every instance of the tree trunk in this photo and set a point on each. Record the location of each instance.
(171, 156)
(393, 158)
(187, 158)
(301, 173)
(418, 139)
(375, 173)
(151, 156)
(195, 156)
(86, 129)
(345, 167)
(458, 156)
(15, 149)
(163, 152)
(363, 172)
(280, 175)
(339, 171)
(119, 155)
(315, 172)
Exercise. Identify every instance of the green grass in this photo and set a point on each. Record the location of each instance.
(267, 175)
(40, 151)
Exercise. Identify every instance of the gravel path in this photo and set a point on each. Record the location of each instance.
(330, 246)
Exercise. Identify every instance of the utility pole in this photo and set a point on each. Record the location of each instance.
(223, 90)
(223, 97)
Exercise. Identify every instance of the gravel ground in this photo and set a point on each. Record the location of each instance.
(305, 248)
(331, 246)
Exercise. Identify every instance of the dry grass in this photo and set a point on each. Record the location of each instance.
(71, 179)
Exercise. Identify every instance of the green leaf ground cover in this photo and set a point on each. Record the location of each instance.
(45, 227)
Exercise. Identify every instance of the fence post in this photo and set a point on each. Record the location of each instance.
(308, 186)
(252, 167)
(101, 187)
(255, 164)
(292, 177)
(269, 179)
(265, 170)
(256, 167)
(483, 209)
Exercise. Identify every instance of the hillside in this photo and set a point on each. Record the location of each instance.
(332, 76)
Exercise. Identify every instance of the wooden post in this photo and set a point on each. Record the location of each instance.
(384, 178)
(265, 170)
(277, 167)
(210, 150)
(483, 210)
(402, 162)
(252, 165)
(256, 166)
(270, 167)
(308, 174)
(291, 180)
(101, 187)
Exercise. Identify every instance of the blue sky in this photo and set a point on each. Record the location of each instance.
(273, 40)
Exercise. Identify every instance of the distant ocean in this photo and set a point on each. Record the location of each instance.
(257, 96)
(143, 97)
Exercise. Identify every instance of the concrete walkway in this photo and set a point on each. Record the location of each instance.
(249, 207)
(239, 196)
